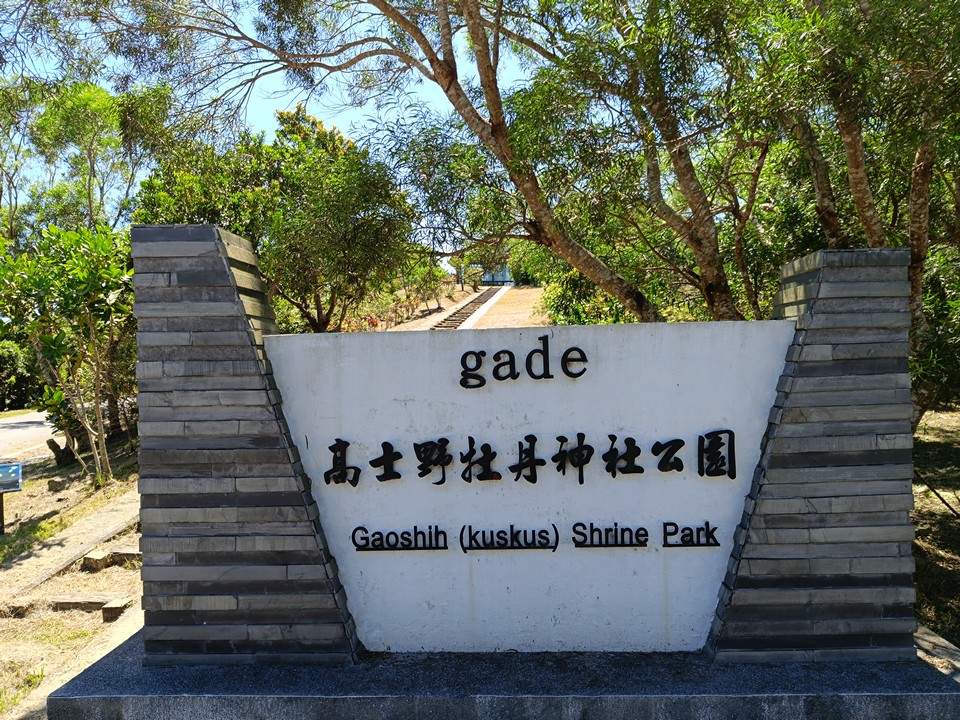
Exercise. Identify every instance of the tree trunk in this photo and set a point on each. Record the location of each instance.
(921, 176)
(543, 227)
(851, 133)
(544, 231)
(820, 177)
(701, 236)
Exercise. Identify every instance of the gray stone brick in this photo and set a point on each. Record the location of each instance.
(200, 382)
(226, 529)
(848, 412)
(220, 338)
(852, 351)
(225, 573)
(194, 442)
(833, 504)
(830, 535)
(172, 265)
(188, 544)
(191, 602)
(174, 248)
(864, 258)
(241, 257)
(897, 396)
(147, 370)
(862, 274)
(256, 308)
(771, 551)
(839, 458)
(216, 277)
(164, 233)
(186, 353)
(861, 306)
(175, 309)
(868, 654)
(812, 596)
(821, 627)
(248, 281)
(151, 280)
(842, 443)
(831, 566)
(160, 429)
(856, 336)
(836, 520)
(276, 483)
(207, 324)
(248, 412)
(763, 656)
(186, 368)
(275, 543)
(831, 321)
(180, 294)
(885, 427)
(865, 367)
(212, 428)
(221, 398)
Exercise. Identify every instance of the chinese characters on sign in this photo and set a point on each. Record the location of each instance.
(715, 457)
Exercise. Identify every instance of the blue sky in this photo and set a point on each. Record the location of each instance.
(270, 95)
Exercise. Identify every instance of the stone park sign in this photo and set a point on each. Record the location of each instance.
(738, 487)
(575, 488)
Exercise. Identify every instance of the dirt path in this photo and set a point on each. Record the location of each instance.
(514, 307)
(518, 307)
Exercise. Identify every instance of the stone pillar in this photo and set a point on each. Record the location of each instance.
(822, 566)
(235, 565)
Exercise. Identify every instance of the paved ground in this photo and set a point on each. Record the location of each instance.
(24, 436)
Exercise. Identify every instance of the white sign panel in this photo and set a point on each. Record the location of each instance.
(534, 489)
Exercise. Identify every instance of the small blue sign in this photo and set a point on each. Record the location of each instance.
(11, 478)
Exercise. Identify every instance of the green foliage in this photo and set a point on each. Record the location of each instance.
(936, 490)
(19, 376)
(71, 294)
(330, 224)
(71, 153)
(935, 363)
(339, 227)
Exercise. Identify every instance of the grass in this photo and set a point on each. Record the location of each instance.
(16, 682)
(937, 547)
(15, 413)
(54, 631)
(29, 534)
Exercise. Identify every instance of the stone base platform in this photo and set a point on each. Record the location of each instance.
(539, 686)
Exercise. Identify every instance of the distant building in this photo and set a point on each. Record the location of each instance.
(497, 277)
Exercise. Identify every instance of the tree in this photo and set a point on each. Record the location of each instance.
(862, 89)
(201, 45)
(329, 222)
(72, 154)
(19, 100)
(664, 150)
(71, 294)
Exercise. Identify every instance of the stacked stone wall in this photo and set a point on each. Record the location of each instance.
(822, 566)
(235, 566)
